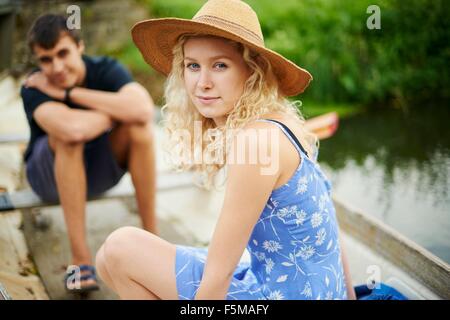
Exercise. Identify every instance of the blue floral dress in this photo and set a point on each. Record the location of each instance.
(294, 246)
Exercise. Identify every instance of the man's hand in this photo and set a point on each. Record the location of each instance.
(131, 104)
(39, 81)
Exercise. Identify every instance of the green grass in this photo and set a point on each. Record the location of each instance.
(129, 55)
(312, 109)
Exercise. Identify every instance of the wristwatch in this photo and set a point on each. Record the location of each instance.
(67, 94)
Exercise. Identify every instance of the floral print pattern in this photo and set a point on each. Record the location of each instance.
(294, 246)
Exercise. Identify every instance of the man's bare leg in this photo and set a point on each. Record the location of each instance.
(71, 184)
(142, 169)
(134, 144)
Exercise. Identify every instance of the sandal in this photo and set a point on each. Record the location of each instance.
(76, 274)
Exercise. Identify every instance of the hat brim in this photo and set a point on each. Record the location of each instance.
(155, 39)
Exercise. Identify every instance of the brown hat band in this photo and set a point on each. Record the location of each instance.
(231, 27)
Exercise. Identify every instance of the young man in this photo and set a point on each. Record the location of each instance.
(89, 123)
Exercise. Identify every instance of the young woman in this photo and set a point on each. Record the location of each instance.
(221, 76)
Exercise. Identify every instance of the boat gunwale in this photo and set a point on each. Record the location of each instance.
(409, 256)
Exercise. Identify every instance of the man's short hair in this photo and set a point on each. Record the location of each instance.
(47, 29)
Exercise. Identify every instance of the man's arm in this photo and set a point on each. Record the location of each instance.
(130, 104)
(71, 125)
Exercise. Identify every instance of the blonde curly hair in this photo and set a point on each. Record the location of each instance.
(261, 96)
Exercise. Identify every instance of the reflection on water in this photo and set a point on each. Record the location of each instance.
(397, 167)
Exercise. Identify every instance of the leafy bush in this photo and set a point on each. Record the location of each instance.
(403, 63)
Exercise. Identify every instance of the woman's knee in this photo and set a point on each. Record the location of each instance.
(119, 245)
(100, 262)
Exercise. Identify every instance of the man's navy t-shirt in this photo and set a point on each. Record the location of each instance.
(102, 73)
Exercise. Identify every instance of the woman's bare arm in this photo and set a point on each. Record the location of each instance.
(348, 280)
(246, 195)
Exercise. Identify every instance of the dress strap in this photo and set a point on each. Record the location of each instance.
(288, 133)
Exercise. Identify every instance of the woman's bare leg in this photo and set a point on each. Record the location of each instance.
(102, 270)
(136, 264)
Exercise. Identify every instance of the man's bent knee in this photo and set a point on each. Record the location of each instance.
(59, 145)
(141, 133)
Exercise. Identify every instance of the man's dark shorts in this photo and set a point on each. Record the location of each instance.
(102, 170)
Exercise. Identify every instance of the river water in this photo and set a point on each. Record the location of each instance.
(396, 166)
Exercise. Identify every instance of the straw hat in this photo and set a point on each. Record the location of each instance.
(230, 19)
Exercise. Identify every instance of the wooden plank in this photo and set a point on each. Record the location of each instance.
(50, 248)
(415, 260)
(14, 138)
(28, 199)
(17, 272)
(23, 287)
